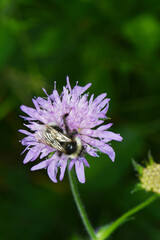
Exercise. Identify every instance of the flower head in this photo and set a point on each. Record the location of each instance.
(63, 128)
(149, 176)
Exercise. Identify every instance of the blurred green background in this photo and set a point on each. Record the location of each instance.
(113, 44)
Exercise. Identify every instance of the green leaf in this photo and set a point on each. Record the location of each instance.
(137, 188)
(150, 158)
(137, 167)
(50, 155)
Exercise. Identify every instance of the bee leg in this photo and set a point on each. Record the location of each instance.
(59, 154)
(82, 152)
(65, 122)
(73, 133)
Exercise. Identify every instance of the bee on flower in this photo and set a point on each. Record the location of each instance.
(64, 128)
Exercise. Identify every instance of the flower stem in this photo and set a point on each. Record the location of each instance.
(80, 206)
(125, 217)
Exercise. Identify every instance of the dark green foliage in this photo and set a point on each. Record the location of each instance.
(116, 46)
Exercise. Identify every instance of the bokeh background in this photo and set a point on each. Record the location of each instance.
(115, 45)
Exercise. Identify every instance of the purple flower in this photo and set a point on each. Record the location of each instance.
(63, 128)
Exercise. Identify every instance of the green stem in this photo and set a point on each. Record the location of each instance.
(80, 206)
(125, 217)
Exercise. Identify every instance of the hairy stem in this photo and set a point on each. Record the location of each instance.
(80, 206)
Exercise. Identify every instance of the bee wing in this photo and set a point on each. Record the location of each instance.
(59, 136)
(53, 142)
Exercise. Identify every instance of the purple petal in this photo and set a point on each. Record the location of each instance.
(32, 154)
(103, 103)
(34, 126)
(105, 127)
(72, 162)
(63, 168)
(30, 140)
(91, 141)
(85, 162)
(27, 118)
(105, 110)
(36, 154)
(40, 165)
(25, 149)
(44, 90)
(80, 90)
(68, 84)
(87, 131)
(45, 151)
(30, 111)
(80, 171)
(83, 89)
(25, 132)
(91, 151)
(43, 102)
(55, 97)
(108, 150)
(100, 134)
(108, 136)
(52, 170)
(98, 99)
(91, 99)
(36, 104)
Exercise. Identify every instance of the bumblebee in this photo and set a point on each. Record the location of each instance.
(67, 143)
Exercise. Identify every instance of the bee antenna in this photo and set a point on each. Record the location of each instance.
(65, 122)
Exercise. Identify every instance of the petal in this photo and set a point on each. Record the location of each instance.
(91, 151)
(108, 136)
(44, 90)
(105, 110)
(45, 151)
(32, 154)
(36, 104)
(43, 102)
(34, 114)
(105, 127)
(27, 118)
(25, 142)
(40, 165)
(91, 141)
(36, 154)
(35, 126)
(78, 90)
(55, 97)
(25, 132)
(72, 162)
(85, 162)
(63, 168)
(98, 99)
(80, 171)
(68, 84)
(30, 111)
(25, 149)
(52, 170)
(91, 99)
(103, 103)
(30, 140)
(87, 131)
(108, 150)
